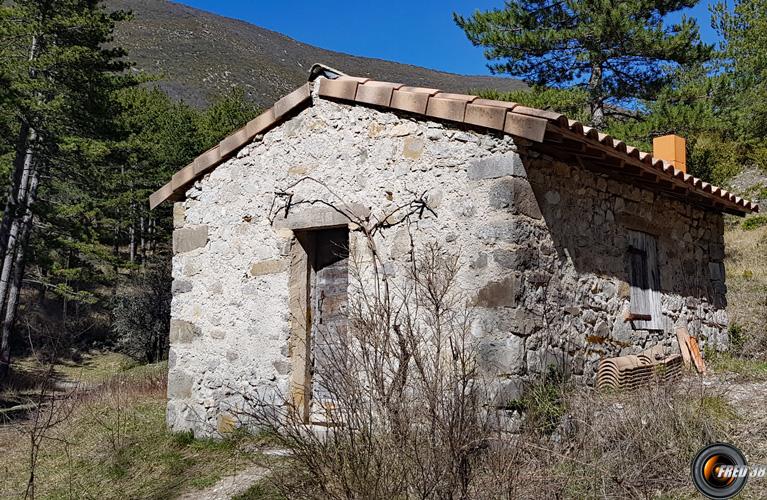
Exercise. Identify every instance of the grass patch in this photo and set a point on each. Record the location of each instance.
(262, 490)
(746, 369)
(115, 445)
(747, 289)
(754, 222)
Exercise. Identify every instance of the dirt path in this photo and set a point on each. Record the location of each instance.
(229, 486)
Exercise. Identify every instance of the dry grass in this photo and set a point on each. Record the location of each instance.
(626, 445)
(115, 445)
(746, 263)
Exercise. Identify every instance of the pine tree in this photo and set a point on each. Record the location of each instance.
(60, 82)
(618, 51)
(742, 95)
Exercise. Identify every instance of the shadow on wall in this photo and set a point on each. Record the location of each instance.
(593, 221)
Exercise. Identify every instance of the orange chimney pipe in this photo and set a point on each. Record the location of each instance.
(671, 148)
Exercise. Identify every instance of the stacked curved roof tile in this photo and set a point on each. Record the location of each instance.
(548, 132)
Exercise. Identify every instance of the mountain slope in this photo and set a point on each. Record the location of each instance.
(199, 55)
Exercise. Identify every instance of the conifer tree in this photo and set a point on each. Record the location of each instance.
(60, 79)
(618, 51)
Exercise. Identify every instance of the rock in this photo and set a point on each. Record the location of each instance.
(434, 134)
(180, 385)
(434, 198)
(601, 329)
(510, 231)
(621, 331)
(716, 271)
(502, 356)
(413, 148)
(282, 367)
(589, 316)
(312, 218)
(716, 251)
(497, 166)
(480, 262)
(498, 293)
(515, 194)
(552, 197)
(264, 267)
(190, 238)
(403, 129)
(573, 310)
(183, 332)
(217, 334)
(518, 259)
(506, 392)
(546, 359)
(179, 215)
(181, 286)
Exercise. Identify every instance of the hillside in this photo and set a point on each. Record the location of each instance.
(200, 54)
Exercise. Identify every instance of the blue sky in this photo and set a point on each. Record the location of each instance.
(420, 32)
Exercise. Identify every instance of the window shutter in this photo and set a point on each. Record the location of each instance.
(645, 280)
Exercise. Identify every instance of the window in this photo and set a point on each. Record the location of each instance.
(645, 300)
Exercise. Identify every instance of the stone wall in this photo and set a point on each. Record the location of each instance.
(542, 247)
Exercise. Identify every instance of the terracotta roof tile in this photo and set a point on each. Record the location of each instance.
(446, 109)
(552, 116)
(290, 101)
(499, 104)
(520, 121)
(376, 93)
(485, 116)
(419, 90)
(406, 100)
(338, 89)
(525, 126)
(605, 139)
(457, 97)
(357, 79)
(261, 123)
(234, 142)
(207, 160)
(183, 177)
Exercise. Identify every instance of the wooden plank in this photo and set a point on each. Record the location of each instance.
(645, 295)
(629, 316)
(697, 358)
(329, 321)
(682, 338)
(653, 270)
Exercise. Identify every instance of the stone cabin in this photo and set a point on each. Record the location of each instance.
(573, 245)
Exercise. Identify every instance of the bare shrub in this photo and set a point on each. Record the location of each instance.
(408, 411)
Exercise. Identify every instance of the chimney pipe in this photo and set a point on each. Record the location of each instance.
(671, 148)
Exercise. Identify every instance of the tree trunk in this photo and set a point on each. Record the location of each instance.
(596, 97)
(24, 157)
(142, 239)
(132, 243)
(12, 289)
(12, 220)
